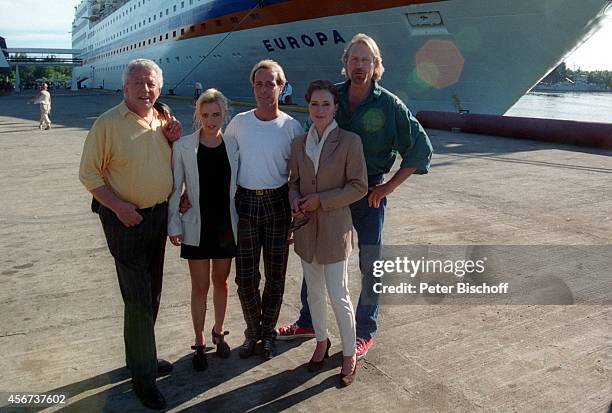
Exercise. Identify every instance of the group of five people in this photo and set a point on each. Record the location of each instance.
(253, 187)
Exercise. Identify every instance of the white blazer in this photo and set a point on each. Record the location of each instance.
(185, 171)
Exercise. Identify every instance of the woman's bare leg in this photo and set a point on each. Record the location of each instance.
(200, 282)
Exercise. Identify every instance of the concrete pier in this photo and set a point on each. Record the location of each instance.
(61, 328)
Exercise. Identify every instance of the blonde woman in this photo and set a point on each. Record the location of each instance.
(205, 164)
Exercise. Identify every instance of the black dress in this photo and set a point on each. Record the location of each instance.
(216, 235)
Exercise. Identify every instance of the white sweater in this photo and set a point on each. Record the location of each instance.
(265, 147)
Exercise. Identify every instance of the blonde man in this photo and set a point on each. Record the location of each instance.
(264, 137)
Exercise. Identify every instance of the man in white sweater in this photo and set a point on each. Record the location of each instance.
(43, 98)
(264, 137)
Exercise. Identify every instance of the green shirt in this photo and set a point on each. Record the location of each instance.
(386, 128)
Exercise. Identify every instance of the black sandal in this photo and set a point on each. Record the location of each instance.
(199, 358)
(223, 349)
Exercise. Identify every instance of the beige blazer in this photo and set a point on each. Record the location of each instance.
(341, 180)
(185, 172)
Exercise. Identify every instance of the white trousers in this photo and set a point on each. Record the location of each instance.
(335, 277)
(45, 109)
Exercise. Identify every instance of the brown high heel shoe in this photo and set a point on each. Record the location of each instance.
(348, 379)
(199, 358)
(318, 365)
(218, 339)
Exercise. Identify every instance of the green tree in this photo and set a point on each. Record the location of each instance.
(559, 74)
(46, 73)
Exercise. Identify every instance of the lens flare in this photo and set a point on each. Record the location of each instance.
(439, 63)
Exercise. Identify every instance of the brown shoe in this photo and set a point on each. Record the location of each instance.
(218, 339)
(348, 379)
(318, 365)
(199, 358)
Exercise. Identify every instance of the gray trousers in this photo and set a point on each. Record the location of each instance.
(139, 260)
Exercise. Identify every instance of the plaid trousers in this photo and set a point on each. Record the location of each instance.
(263, 222)
(139, 260)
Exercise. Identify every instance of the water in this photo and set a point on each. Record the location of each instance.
(590, 107)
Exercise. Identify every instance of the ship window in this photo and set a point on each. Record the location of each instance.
(154, 17)
(149, 20)
(178, 59)
(174, 33)
(149, 41)
(160, 37)
(174, 8)
(190, 2)
(182, 31)
(182, 5)
(166, 36)
(154, 39)
(167, 11)
(167, 60)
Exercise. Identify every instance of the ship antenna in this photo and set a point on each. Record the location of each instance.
(259, 4)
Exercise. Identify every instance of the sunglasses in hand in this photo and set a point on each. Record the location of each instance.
(298, 223)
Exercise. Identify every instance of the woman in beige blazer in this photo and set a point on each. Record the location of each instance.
(205, 163)
(327, 174)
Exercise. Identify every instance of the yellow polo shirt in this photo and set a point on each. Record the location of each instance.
(130, 157)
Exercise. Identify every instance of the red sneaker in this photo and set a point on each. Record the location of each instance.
(291, 331)
(361, 347)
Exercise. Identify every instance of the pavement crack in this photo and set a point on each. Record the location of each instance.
(386, 375)
(17, 333)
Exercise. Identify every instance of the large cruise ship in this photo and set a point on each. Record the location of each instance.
(479, 56)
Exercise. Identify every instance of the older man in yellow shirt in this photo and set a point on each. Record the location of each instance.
(126, 165)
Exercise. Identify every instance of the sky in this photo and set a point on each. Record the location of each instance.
(47, 23)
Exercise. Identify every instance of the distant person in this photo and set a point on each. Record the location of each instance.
(126, 165)
(43, 98)
(386, 128)
(197, 92)
(327, 173)
(205, 163)
(286, 96)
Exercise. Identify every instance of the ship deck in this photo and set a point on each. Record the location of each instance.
(61, 311)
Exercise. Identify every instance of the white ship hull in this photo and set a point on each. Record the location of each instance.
(476, 55)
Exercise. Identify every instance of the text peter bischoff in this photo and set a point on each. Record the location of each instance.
(409, 269)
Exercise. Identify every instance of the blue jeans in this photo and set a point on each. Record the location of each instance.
(368, 223)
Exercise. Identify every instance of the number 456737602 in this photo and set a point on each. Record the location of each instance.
(31, 399)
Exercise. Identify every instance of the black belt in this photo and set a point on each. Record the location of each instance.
(262, 192)
(153, 208)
